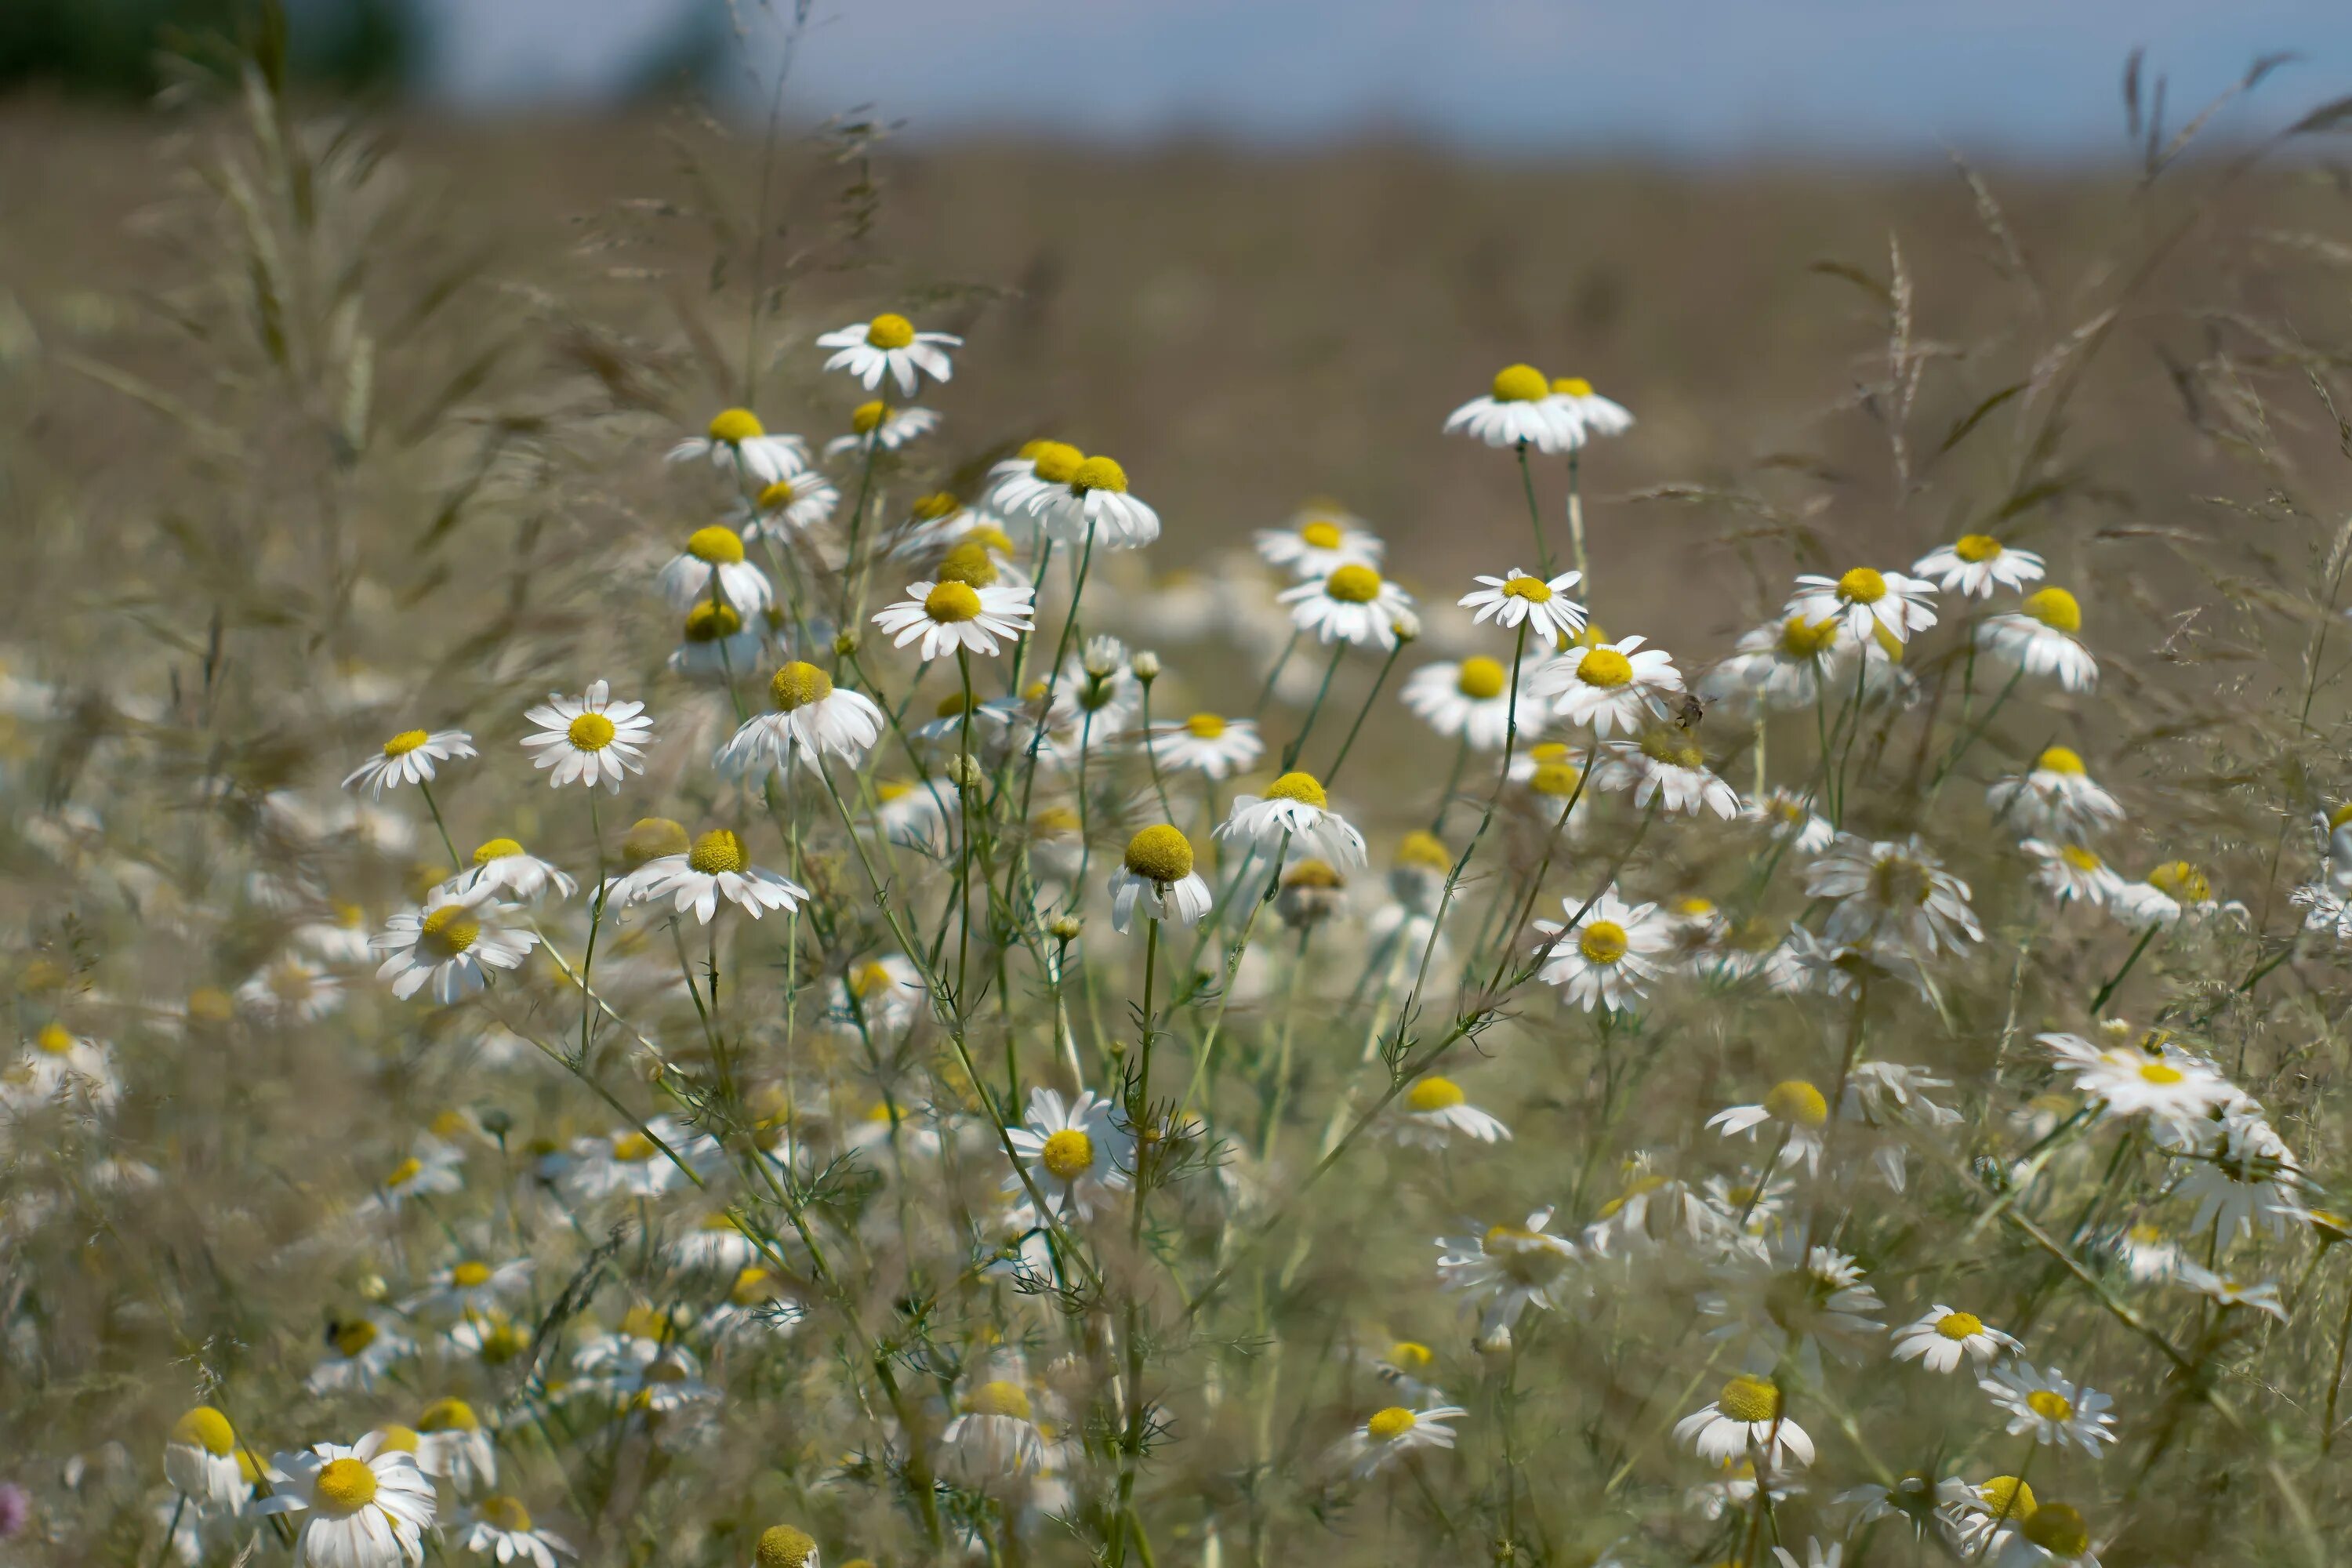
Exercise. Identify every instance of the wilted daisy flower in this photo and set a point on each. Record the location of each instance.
(2178, 1088)
(1608, 686)
(499, 1528)
(1781, 664)
(1207, 744)
(451, 1444)
(1977, 564)
(1472, 701)
(993, 1432)
(1321, 540)
(1892, 892)
(1939, 1339)
(2043, 639)
(590, 739)
(2049, 1407)
(1295, 815)
(1865, 602)
(1796, 1107)
(501, 866)
(890, 345)
(1434, 1111)
(1607, 960)
(1156, 878)
(2071, 873)
(810, 715)
(1389, 1437)
(715, 643)
(630, 1164)
(1588, 412)
(363, 1507)
(2056, 799)
(951, 616)
(715, 553)
(451, 944)
(1351, 603)
(877, 427)
(1747, 1415)
(1077, 1150)
(200, 1460)
(1542, 606)
(1667, 766)
(409, 758)
(717, 867)
(359, 1350)
(784, 510)
(736, 443)
(1519, 411)
(1789, 815)
(1507, 1269)
(1094, 504)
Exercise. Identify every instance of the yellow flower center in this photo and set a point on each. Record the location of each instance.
(797, 685)
(447, 932)
(2179, 880)
(352, 1338)
(2008, 1496)
(1750, 1400)
(1313, 874)
(403, 1172)
(710, 620)
(1601, 942)
(1160, 853)
(1388, 1426)
(1861, 586)
(1099, 474)
(1557, 779)
(782, 1546)
(346, 1486)
(717, 852)
(448, 1415)
(650, 838)
(751, 1287)
(1055, 462)
(1481, 678)
(775, 495)
(496, 849)
(1412, 1354)
(633, 1147)
(2055, 608)
(1354, 583)
(717, 544)
(998, 1398)
(1534, 589)
(968, 563)
(2058, 1529)
(889, 332)
(2059, 760)
(735, 426)
(2050, 1405)
(407, 740)
(53, 1040)
(866, 417)
(1520, 383)
(1322, 534)
(1975, 548)
(644, 1324)
(1301, 787)
(2163, 1074)
(1674, 748)
(1798, 1103)
(590, 733)
(1424, 850)
(948, 602)
(470, 1275)
(1068, 1154)
(206, 1428)
(1604, 667)
(1801, 639)
(1959, 1325)
(2340, 815)
(500, 1512)
(868, 979)
(398, 1439)
(1899, 881)
(1434, 1093)
(2080, 859)
(1572, 386)
(1204, 726)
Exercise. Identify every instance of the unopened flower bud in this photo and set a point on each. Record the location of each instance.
(1146, 666)
(965, 772)
(1065, 928)
(844, 645)
(1102, 657)
(1407, 626)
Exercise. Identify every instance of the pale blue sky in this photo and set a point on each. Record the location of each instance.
(1712, 77)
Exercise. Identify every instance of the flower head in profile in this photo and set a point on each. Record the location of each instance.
(1093, 503)
(737, 444)
(1074, 1151)
(890, 345)
(812, 716)
(785, 1546)
(1786, 814)
(1322, 537)
(1156, 880)
(711, 566)
(1588, 412)
(1977, 564)
(2073, 874)
(1518, 411)
(410, 758)
(948, 616)
(1796, 1107)
(1665, 763)
(717, 867)
(1292, 816)
(1608, 958)
(499, 1527)
(2056, 798)
(590, 739)
(450, 945)
(1434, 1112)
(1865, 602)
(876, 427)
(1352, 603)
(1747, 1417)
(1542, 606)
(716, 643)
(1943, 1336)
(1392, 1435)
(993, 1434)
(1780, 665)
(200, 1460)
(1471, 700)
(502, 866)
(367, 1506)
(2043, 637)
(1210, 744)
(1608, 685)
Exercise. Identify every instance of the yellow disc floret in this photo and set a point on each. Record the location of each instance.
(1068, 1154)
(718, 545)
(650, 838)
(1160, 853)
(1424, 850)
(1534, 589)
(967, 563)
(1055, 462)
(797, 685)
(1572, 386)
(1521, 383)
(1959, 1325)
(495, 850)
(2059, 760)
(1099, 474)
(447, 932)
(1750, 1400)
(1798, 1103)
(1322, 534)
(1205, 726)
(407, 740)
(345, 1486)
(1354, 583)
(1480, 679)
(1601, 942)
(1434, 1093)
(2058, 1529)
(1388, 1426)
(889, 331)
(949, 603)
(450, 1415)
(735, 426)
(590, 733)
(998, 1397)
(500, 1512)
(2181, 881)
(711, 620)
(1302, 788)
(1604, 667)
(1862, 585)
(2050, 1405)
(206, 1428)
(470, 1275)
(2055, 608)
(2008, 1496)
(782, 1546)
(1977, 548)
(1801, 638)
(718, 852)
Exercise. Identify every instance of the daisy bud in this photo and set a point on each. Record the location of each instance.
(1065, 928)
(1146, 666)
(1102, 656)
(1495, 1341)
(845, 646)
(1406, 626)
(965, 772)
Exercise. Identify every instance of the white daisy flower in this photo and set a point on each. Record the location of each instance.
(1295, 816)
(408, 758)
(1896, 892)
(1321, 540)
(2056, 799)
(2068, 873)
(812, 717)
(714, 644)
(434, 1167)
(2054, 1533)
(1519, 411)
(717, 867)
(877, 427)
(469, 1285)
(1156, 878)
(1977, 564)
(1746, 1419)
(2242, 1174)
(786, 511)
(452, 1445)
(1940, 1339)
(993, 1432)
(1351, 604)
(359, 1352)
(1784, 814)
(451, 944)
(1590, 412)
(1472, 701)
(716, 1243)
(2171, 892)
(1076, 1151)
(2175, 1088)
(948, 616)
(200, 1461)
(2260, 1296)
(756, 1304)
(1606, 961)
(1781, 665)
(1797, 1108)
(1608, 686)
(366, 1506)
(1516, 597)
(1039, 469)
(1667, 765)
(1865, 602)
(630, 1164)
(715, 552)
(1210, 744)
(1434, 1111)
(1507, 1269)
(1389, 1437)
(501, 867)
(591, 739)
(1978, 1516)
(736, 443)
(1814, 1556)
(880, 994)
(890, 345)
(499, 1528)
(2042, 640)
(2148, 1253)
(61, 1064)
(1093, 503)
(2049, 1407)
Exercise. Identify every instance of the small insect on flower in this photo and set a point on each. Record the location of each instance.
(2056, 799)
(1975, 564)
(737, 445)
(450, 945)
(1351, 603)
(1434, 1112)
(717, 867)
(200, 1461)
(452, 1445)
(1865, 602)
(1516, 598)
(993, 1434)
(1293, 816)
(501, 866)
(812, 717)
(1322, 537)
(366, 1506)
(877, 427)
(711, 567)
(1156, 878)
(1392, 1436)
(1209, 744)
(1076, 1152)
(1518, 411)
(1608, 685)
(1472, 701)
(410, 758)
(948, 616)
(1587, 411)
(1746, 1419)
(2043, 639)
(589, 739)
(499, 1528)
(1607, 960)
(890, 345)
(2049, 1407)
(1093, 505)
(1939, 1339)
